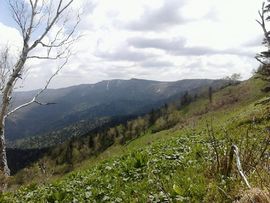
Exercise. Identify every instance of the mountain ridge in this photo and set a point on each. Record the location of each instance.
(88, 102)
(169, 154)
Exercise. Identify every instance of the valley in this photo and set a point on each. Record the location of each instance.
(156, 156)
(134, 101)
(79, 109)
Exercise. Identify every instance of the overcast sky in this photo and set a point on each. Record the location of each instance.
(152, 39)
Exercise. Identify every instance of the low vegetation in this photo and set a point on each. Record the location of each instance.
(170, 155)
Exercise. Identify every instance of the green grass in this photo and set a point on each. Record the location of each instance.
(174, 165)
(139, 175)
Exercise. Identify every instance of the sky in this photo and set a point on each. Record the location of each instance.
(164, 40)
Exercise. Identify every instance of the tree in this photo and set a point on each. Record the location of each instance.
(210, 94)
(185, 99)
(235, 77)
(48, 32)
(264, 56)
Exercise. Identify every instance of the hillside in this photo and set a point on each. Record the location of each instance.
(80, 109)
(184, 162)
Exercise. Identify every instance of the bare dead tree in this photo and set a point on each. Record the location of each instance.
(48, 32)
(264, 57)
(235, 150)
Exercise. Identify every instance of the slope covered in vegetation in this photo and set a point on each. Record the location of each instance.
(80, 109)
(187, 161)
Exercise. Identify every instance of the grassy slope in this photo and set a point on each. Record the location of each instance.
(179, 164)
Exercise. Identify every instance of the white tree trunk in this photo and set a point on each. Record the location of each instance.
(3, 160)
(26, 15)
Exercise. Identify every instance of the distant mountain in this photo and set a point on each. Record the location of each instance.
(81, 108)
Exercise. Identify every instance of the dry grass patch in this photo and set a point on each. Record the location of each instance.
(255, 195)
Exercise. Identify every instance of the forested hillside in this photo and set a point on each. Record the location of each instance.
(77, 110)
(76, 125)
(106, 132)
(170, 155)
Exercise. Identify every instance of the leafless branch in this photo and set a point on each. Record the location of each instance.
(35, 22)
(58, 13)
(34, 100)
(46, 57)
(263, 56)
(5, 67)
(18, 11)
(258, 59)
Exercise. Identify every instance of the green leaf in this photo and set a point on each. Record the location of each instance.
(177, 189)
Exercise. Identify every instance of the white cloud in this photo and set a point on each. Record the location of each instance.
(10, 37)
(192, 39)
